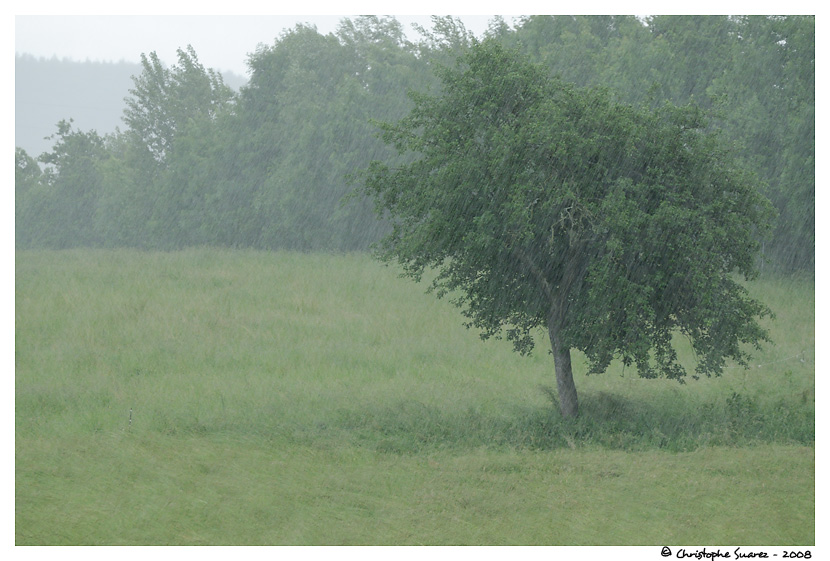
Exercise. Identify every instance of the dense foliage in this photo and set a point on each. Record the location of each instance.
(541, 204)
(197, 164)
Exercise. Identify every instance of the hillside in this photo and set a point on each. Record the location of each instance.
(90, 93)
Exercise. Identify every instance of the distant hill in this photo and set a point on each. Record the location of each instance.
(90, 93)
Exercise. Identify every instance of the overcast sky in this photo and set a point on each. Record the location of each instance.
(221, 42)
(224, 41)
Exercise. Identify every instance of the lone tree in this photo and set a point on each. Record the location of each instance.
(543, 205)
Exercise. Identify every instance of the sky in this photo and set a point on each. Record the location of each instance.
(223, 35)
(221, 42)
(222, 38)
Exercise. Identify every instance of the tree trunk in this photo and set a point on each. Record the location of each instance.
(568, 404)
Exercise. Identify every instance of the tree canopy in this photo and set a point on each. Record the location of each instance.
(541, 204)
(265, 167)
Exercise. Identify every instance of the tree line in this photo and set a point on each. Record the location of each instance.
(269, 167)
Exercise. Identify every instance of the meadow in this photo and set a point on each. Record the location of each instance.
(248, 398)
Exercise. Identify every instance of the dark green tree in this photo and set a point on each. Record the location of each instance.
(540, 204)
(758, 72)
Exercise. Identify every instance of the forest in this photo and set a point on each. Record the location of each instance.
(271, 166)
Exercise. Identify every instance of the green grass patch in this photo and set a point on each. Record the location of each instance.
(235, 397)
(148, 490)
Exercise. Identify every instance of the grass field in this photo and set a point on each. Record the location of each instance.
(232, 397)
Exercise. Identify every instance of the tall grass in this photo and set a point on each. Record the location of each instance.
(298, 363)
(313, 346)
